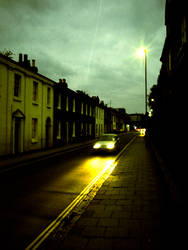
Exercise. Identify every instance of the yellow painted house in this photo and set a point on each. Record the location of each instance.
(26, 107)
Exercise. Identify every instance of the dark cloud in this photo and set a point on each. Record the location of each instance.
(36, 5)
(91, 43)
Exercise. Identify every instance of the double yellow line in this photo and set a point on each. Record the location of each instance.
(107, 170)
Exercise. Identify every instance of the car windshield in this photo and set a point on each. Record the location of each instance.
(107, 138)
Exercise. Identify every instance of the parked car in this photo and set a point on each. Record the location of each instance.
(107, 143)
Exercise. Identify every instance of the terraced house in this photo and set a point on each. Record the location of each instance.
(37, 112)
(74, 119)
(26, 103)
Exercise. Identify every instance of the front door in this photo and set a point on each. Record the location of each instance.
(17, 135)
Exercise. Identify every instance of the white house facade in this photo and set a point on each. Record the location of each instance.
(26, 107)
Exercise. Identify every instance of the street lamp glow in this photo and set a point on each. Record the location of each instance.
(141, 52)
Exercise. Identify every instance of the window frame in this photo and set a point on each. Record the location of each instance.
(35, 91)
(17, 85)
(34, 134)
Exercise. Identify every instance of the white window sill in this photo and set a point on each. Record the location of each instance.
(17, 99)
(34, 140)
(35, 103)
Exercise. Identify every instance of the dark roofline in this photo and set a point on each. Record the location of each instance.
(27, 69)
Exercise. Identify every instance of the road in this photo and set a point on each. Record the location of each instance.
(31, 198)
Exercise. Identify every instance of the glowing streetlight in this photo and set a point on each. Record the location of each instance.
(143, 52)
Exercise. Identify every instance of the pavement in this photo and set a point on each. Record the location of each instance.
(11, 162)
(132, 210)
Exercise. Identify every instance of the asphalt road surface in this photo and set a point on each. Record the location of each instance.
(31, 198)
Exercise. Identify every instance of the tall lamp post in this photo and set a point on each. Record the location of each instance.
(143, 52)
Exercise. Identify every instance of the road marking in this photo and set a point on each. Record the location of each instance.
(106, 171)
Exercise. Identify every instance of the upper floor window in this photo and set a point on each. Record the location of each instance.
(67, 103)
(184, 30)
(17, 85)
(48, 96)
(86, 109)
(82, 108)
(59, 101)
(74, 106)
(35, 91)
(90, 112)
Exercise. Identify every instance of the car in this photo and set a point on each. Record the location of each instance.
(107, 143)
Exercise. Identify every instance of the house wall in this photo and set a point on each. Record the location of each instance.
(17, 111)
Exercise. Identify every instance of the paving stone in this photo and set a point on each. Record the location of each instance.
(108, 222)
(128, 210)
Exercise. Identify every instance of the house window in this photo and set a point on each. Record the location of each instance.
(17, 85)
(34, 128)
(82, 108)
(183, 30)
(35, 91)
(74, 106)
(82, 129)
(59, 130)
(90, 127)
(59, 102)
(67, 103)
(86, 109)
(48, 96)
(73, 129)
(90, 113)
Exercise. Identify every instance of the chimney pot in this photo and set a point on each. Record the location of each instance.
(25, 58)
(20, 58)
(33, 63)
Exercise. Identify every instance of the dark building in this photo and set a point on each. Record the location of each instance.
(108, 120)
(122, 119)
(86, 111)
(168, 98)
(73, 115)
(136, 120)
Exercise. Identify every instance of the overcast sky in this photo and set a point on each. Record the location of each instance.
(91, 43)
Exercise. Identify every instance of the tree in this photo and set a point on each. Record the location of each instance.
(7, 53)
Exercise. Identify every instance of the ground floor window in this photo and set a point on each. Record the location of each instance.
(73, 129)
(34, 128)
(90, 127)
(59, 130)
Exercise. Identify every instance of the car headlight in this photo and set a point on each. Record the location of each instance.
(110, 145)
(97, 145)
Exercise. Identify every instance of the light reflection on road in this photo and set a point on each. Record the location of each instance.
(95, 165)
(79, 174)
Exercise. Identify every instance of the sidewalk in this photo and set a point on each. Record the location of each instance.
(131, 210)
(7, 163)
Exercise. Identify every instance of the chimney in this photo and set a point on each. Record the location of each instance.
(25, 58)
(33, 67)
(63, 83)
(20, 58)
(33, 63)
